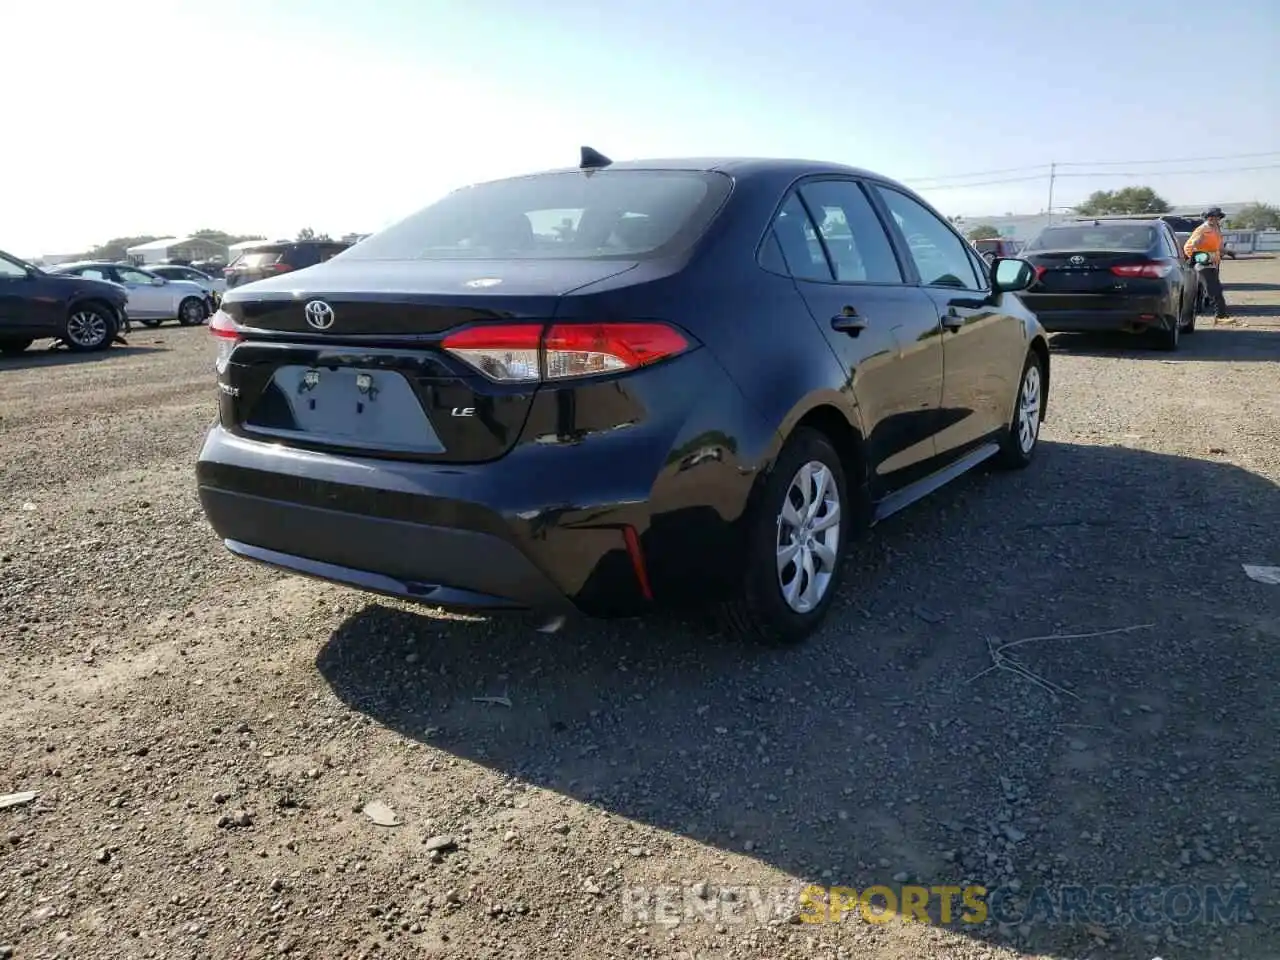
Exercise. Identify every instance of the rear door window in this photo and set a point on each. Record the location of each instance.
(797, 238)
(859, 248)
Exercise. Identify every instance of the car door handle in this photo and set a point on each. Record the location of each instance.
(850, 322)
(952, 319)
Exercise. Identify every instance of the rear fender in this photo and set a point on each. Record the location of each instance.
(836, 414)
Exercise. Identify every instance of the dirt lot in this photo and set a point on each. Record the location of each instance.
(203, 735)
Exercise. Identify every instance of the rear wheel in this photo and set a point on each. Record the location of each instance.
(794, 548)
(13, 347)
(192, 311)
(89, 327)
(1189, 310)
(1018, 447)
(1170, 337)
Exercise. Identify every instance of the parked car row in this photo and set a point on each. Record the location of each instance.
(84, 312)
(88, 305)
(153, 297)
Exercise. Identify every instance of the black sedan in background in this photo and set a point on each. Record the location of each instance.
(1113, 275)
(84, 314)
(620, 385)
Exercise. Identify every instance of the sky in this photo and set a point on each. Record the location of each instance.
(345, 115)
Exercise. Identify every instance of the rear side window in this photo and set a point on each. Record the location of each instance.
(1102, 236)
(859, 248)
(798, 239)
(601, 215)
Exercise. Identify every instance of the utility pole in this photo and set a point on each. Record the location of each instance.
(1053, 173)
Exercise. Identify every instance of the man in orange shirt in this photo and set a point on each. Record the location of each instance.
(1207, 238)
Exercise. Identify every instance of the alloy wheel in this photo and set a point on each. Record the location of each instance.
(1029, 409)
(808, 545)
(87, 328)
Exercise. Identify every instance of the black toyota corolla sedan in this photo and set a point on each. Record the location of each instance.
(601, 389)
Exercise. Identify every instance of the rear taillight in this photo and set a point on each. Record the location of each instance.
(527, 352)
(1040, 271)
(277, 267)
(1150, 271)
(227, 334)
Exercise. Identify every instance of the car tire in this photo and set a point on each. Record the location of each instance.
(1190, 311)
(1170, 338)
(192, 312)
(89, 327)
(1022, 437)
(11, 348)
(784, 598)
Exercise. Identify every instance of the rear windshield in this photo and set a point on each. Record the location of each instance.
(603, 215)
(1100, 237)
(258, 258)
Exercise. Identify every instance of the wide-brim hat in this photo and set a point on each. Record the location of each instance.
(1213, 212)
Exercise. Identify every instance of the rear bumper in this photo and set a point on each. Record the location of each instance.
(412, 561)
(1083, 314)
(412, 531)
(649, 473)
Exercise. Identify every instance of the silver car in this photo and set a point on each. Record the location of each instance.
(152, 298)
(176, 271)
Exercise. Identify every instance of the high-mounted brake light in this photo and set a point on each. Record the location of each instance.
(227, 332)
(1150, 271)
(527, 352)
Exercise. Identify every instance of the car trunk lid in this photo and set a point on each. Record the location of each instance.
(1082, 271)
(329, 364)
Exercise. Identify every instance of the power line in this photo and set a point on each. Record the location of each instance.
(1145, 174)
(1134, 163)
(1095, 163)
(1173, 173)
(981, 173)
(980, 183)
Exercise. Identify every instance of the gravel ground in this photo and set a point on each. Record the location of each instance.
(204, 735)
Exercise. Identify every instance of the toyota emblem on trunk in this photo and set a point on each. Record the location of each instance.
(1077, 260)
(319, 314)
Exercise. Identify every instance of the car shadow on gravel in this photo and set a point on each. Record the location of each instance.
(43, 357)
(888, 750)
(1231, 344)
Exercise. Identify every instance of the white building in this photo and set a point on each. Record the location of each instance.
(176, 248)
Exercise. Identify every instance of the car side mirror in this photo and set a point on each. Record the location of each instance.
(158, 281)
(1011, 274)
